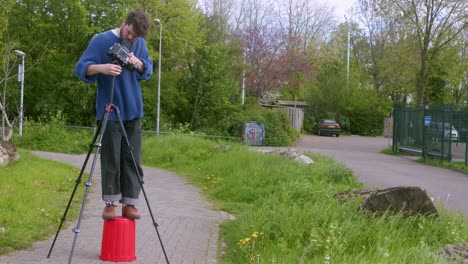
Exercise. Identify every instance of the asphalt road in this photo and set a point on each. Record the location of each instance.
(361, 154)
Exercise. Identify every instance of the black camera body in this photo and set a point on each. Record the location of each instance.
(119, 54)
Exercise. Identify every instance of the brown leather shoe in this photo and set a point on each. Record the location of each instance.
(130, 212)
(109, 212)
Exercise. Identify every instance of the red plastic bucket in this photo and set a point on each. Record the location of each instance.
(118, 240)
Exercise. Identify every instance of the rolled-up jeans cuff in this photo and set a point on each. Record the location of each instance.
(111, 198)
(130, 201)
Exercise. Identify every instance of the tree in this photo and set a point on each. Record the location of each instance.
(209, 89)
(330, 92)
(54, 33)
(457, 75)
(435, 24)
(8, 67)
(379, 27)
(218, 14)
(306, 20)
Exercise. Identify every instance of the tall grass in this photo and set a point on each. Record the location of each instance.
(285, 211)
(52, 136)
(32, 200)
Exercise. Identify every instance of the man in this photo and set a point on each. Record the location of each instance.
(119, 176)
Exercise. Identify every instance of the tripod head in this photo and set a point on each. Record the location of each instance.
(119, 54)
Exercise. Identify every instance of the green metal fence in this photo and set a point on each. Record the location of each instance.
(436, 131)
(407, 128)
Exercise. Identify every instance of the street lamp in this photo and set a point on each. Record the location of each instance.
(347, 53)
(21, 79)
(159, 75)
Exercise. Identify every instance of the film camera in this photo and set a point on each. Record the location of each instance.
(119, 54)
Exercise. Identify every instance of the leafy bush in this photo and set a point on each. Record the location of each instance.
(309, 123)
(358, 108)
(278, 131)
(366, 116)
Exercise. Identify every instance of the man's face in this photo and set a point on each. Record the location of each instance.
(127, 32)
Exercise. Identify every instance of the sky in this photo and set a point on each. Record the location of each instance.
(340, 7)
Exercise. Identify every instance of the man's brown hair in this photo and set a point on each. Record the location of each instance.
(140, 21)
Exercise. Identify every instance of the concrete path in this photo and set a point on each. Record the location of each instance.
(188, 224)
(361, 154)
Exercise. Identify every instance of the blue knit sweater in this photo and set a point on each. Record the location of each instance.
(127, 91)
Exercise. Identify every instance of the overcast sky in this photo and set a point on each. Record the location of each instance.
(340, 7)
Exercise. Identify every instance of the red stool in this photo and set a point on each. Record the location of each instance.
(118, 240)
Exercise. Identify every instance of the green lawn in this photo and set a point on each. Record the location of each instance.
(33, 196)
(284, 211)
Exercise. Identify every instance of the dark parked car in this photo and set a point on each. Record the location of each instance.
(328, 127)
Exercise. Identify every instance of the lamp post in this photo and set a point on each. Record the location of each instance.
(347, 49)
(21, 79)
(157, 21)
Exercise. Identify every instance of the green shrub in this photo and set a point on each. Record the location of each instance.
(278, 131)
(309, 123)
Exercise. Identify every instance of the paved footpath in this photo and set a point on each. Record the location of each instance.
(188, 224)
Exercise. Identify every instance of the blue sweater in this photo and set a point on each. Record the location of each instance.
(127, 90)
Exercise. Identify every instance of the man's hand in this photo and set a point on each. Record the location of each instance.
(107, 69)
(135, 61)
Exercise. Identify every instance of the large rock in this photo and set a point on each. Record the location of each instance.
(457, 253)
(8, 153)
(405, 200)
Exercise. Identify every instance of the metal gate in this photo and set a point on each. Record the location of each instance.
(431, 131)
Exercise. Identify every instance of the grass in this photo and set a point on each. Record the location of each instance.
(32, 200)
(54, 138)
(284, 210)
(457, 166)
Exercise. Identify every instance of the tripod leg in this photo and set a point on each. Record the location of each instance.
(140, 179)
(78, 181)
(88, 184)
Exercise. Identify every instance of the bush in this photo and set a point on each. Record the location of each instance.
(366, 116)
(278, 131)
(309, 123)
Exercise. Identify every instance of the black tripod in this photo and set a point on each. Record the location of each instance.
(97, 145)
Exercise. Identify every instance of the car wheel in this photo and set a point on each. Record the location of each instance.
(337, 135)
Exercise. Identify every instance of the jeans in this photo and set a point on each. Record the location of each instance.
(119, 178)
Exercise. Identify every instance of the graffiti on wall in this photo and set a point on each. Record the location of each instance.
(254, 133)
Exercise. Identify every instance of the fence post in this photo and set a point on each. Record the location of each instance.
(466, 151)
(394, 130)
(424, 143)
